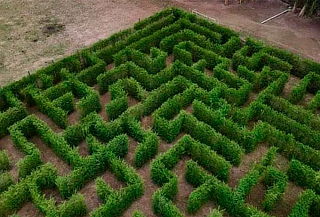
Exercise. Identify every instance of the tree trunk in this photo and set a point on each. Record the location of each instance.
(303, 10)
(294, 9)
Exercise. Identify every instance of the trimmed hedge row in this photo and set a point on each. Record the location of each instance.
(160, 168)
(218, 191)
(4, 161)
(287, 145)
(6, 181)
(16, 195)
(302, 116)
(115, 202)
(225, 126)
(30, 126)
(314, 103)
(302, 207)
(301, 132)
(73, 207)
(276, 182)
(304, 175)
(11, 111)
(256, 173)
(143, 38)
(153, 63)
(300, 90)
(91, 166)
(169, 129)
(58, 115)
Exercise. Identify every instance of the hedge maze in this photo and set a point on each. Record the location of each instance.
(176, 116)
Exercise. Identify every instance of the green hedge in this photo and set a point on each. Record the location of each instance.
(75, 206)
(6, 181)
(4, 161)
(276, 182)
(302, 207)
(14, 198)
(304, 175)
(300, 90)
(116, 107)
(118, 201)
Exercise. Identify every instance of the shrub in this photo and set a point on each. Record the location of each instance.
(299, 91)
(303, 175)
(4, 161)
(146, 150)
(29, 163)
(75, 206)
(137, 214)
(301, 208)
(116, 107)
(276, 183)
(6, 181)
(199, 197)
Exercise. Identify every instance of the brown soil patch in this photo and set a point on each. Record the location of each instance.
(306, 99)
(165, 146)
(110, 66)
(29, 210)
(169, 60)
(144, 203)
(132, 101)
(75, 116)
(252, 97)
(54, 194)
(292, 82)
(48, 155)
(256, 195)
(208, 72)
(104, 100)
(281, 163)
(83, 148)
(131, 152)
(147, 122)
(248, 160)
(52, 28)
(189, 109)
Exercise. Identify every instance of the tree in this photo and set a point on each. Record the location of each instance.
(309, 7)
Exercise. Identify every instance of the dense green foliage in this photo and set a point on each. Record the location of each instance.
(174, 99)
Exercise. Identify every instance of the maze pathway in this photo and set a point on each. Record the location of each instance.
(176, 116)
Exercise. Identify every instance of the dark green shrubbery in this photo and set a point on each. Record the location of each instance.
(302, 207)
(6, 181)
(14, 198)
(115, 202)
(11, 110)
(303, 175)
(212, 75)
(299, 91)
(4, 161)
(276, 183)
(116, 107)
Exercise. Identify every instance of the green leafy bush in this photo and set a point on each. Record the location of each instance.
(4, 161)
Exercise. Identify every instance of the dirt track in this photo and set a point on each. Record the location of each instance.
(33, 33)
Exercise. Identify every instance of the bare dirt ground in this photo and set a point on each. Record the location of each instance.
(33, 33)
